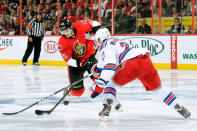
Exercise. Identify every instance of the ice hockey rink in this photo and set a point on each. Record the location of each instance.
(22, 86)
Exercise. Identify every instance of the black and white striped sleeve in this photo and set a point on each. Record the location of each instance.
(29, 28)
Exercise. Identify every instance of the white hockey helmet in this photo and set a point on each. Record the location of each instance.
(101, 34)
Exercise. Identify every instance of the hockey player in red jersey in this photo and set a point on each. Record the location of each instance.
(119, 64)
(77, 49)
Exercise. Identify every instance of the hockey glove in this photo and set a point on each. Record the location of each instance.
(86, 65)
(95, 72)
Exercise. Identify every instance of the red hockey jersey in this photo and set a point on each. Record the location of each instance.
(79, 46)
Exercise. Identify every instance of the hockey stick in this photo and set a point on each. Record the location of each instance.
(41, 112)
(14, 113)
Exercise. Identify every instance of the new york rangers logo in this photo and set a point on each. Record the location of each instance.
(80, 49)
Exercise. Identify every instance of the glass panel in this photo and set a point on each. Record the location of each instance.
(195, 18)
(76, 10)
(105, 13)
(177, 17)
(144, 16)
(9, 17)
(133, 16)
(156, 17)
(95, 9)
(48, 9)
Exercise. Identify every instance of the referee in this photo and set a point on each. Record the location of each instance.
(35, 30)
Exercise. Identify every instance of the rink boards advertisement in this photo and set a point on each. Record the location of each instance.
(12, 50)
(159, 47)
(163, 50)
(187, 52)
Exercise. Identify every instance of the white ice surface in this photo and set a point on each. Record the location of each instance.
(22, 86)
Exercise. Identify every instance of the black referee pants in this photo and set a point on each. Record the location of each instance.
(36, 44)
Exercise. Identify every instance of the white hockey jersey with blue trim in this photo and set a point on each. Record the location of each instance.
(111, 53)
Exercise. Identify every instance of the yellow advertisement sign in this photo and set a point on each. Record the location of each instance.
(167, 22)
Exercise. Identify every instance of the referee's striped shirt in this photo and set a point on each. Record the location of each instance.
(36, 28)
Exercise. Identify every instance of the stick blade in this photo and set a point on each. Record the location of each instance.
(41, 112)
(14, 113)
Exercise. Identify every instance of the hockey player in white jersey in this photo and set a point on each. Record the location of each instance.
(119, 64)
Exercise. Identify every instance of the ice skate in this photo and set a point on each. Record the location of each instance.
(36, 64)
(182, 110)
(104, 114)
(24, 63)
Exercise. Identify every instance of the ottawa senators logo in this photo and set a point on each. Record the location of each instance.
(80, 49)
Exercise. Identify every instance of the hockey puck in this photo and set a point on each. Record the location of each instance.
(66, 102)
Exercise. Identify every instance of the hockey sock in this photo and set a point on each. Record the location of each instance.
(167, 96)
(109, 93)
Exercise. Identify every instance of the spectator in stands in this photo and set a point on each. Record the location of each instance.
(108, 5)
(44, 16)
(131, 9)
(49, 24)
(25, 10)
(103, 7)
(187, 8)
(120, 4)
(40, 8)
(13, 14)
(177, 28)
(95, 7)
(64, 7)
(86, 9)
(54, 30)
(68, 4)
(53, 15)
(174, 12)
(80, 3)
(124, 23)
(116, 19)
(146, 4)
(140, 10)
(73, 10)
(107, 20)
(61, 15)
(48, 2)
(144, 28)
(86, 15)
(48, 9)
(4, 7)
(156, 12)
(30, 13)
(167, 5)
(25, 23)
(163, 13)
(78, 15)
(108, 8)
(11, 25)
(70, 17)
(3, 27)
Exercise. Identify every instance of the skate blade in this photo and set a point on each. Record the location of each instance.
(104, 118)
(189, 117)
(120, 110)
